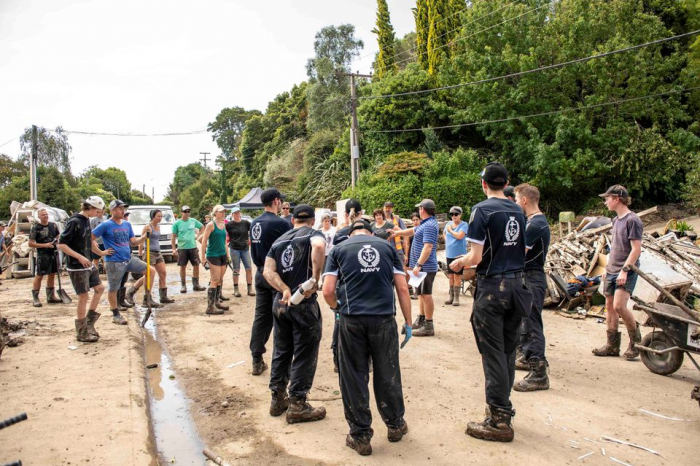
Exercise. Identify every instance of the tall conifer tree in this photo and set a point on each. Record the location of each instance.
(420, 14)
(386, 59)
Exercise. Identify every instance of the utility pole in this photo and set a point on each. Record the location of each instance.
(205, 158)
(153, 194)
(355, 129)
(32, 165)
(143, 190)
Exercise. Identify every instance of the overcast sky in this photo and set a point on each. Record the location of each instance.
(158, 66)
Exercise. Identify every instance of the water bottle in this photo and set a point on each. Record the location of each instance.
(298, 295)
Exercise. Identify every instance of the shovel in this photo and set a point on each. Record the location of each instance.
(148, 279)
(65, 299)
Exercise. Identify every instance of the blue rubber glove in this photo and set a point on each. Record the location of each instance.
(408, 331)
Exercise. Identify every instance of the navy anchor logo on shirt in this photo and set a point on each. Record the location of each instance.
(257, 231)
(512, 231)
(287, 258)
(369, 258)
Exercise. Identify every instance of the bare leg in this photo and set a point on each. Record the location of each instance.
(82, 305)
(160, 270)
(611, 317)
(215, 274)
(420, 305)
(111, 297)
(183, 273)
(428, 305)
(195, 271)
(98, 290)
(50, 280)
(620, 306)
(36, 285)
(249, 276)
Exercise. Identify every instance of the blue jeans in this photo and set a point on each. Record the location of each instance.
(238, 256)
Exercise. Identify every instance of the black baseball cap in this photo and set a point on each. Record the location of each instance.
(361, 225)
(616, 190)
(353, 204)
(389, 204)
(495, 174)
(509, 191)
(304, 212)
(269, 195)
(117, 203)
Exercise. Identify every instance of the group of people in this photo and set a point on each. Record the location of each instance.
(361, 270)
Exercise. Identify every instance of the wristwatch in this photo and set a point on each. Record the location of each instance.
(419, 265)
(626, 269)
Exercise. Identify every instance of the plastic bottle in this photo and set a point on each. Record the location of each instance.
(298, 296)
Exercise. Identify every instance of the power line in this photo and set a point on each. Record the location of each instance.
(183, 133)
(536, 70)
(533, 115)
(9, 141)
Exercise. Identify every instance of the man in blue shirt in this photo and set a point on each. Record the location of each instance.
(455, 246)
(117, 234)
(423, 258)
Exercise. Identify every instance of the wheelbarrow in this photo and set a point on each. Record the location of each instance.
(468, 277)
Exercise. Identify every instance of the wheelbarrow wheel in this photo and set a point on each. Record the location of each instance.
(662, 364)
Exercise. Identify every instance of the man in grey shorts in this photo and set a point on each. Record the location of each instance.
(118, 235)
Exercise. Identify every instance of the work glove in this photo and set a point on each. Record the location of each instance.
(408, 331)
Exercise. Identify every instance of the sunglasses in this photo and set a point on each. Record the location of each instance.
(285, 208)
(454, 214)
(185, 211)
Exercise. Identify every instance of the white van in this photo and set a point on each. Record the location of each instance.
(140, 215)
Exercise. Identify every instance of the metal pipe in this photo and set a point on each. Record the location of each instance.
(664, 351)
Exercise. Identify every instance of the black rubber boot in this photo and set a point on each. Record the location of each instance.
(122, 305)
(82, 331)
(211, 299)
(250, 290)
(195, 284)
(183, 286)
(148, 297)
(418, 323)
(236, 292)
(221, 294)
(612, 348)
(496, 427)
(51, 297)
(164, 296)
(35, 298)
(129, 297)
(301, 411)
(92, 317)
(536, 379)
(279, 403)
(635, 337)
(217, 301)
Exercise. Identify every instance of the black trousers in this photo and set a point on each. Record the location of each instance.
(262, 322)
(334, 341)
(499, 306)
(362, 337)
(295, 351)
(532, 338)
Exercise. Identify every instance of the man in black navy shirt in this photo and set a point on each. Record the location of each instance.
(497, 237)
(264, 231)
(296, 258)
(536, 243)
(359, 281)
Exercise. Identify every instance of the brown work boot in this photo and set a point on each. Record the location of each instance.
(118, 318)
(612, 348)
(427, 330)
(51, 297)
(164, 296)
(457, 290)
(536, 379)
(236, 292)
(418, 323)
(195, 284)
(361, 445)
(279, 403)
(520, 361)
(217, 300)
(394, 434)
(92, 317)
(635, 337)
(82, 331)
(301, 411)
(35, 298)
(211, 303)
(451, 298)
(147, 297)
(496, 427)
(259, 367)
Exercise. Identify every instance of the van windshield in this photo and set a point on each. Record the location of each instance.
(143, 216)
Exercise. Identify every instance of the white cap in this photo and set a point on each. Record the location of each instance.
(95, 201)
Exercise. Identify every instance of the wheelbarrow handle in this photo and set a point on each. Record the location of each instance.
(668, 295)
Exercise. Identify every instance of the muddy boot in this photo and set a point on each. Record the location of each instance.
(51, 297)
(259, 366)
(335, 362)
(220, 293)
(250, 290)
(82, 331)
(496, 427)
(635, 337)
(457, 290)
(414, 295)
(426, 330)
(279, 403)
(612, 348)
(301, 411)
(418, 323)
(92, 317)
(536, 379)
(35, 298)
(217, 301)
(195, 284)
(164, 296)
(394, 434)
(122, 305)
(452, 297)
(361, 445)
(183, 286)
(211, 300)
(117, 318)
(148, 297)
(520, 361)
(129, 297)
(236, 293)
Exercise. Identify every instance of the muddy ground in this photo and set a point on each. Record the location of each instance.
(87, 406)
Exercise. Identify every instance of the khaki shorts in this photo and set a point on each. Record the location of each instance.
(156, 257)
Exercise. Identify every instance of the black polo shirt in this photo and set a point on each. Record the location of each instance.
(264, 231)
(341, 235)
(44, 234)
(365, 266)
(78, 236)
(238, 233)
(499, 225)
(537, 241)
(292, 253)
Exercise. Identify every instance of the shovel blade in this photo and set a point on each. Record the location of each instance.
(64, 297)
(146, 317)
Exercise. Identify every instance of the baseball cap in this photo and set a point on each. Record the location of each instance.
(426, 204)
(353, 204)
(304, 211)
(509, 191)
(95, 201)
(389, 204)
(270, 195)
(235, 209)
(495, 174)
(218, 208)
(2, 224)
(616, 190)
(456, 210)
(127, 213)
(185, 207)
(117, 203)
(361, 225)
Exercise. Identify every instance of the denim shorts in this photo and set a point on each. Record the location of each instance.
(238, 256)
(117, 270)
(611, 283)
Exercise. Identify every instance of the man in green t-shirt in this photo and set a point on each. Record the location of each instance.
(184, 231)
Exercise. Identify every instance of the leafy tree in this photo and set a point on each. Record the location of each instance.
(185, 176)
(194, 195)
(386, 61)
(406, 51)
(9, 169)
(53, 150)
(112, 180)
(420, 15)
(227, 129)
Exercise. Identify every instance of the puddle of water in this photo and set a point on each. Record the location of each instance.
(175, 434)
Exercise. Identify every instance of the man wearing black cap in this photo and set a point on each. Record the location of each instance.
(620, 279)
(264, 231)
(509, 192)
(497, 237)
(359, 280)
(296, 258)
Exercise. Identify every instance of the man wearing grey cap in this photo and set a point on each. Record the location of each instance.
(184, 233)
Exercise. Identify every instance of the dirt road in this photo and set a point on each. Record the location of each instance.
(101, 390)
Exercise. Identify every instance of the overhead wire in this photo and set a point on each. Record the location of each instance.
(183, 133)
(3, 145)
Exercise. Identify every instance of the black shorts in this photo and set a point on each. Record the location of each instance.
(97, 256)
(188, 255)
(83, 280)
(449, 270)
(218, 261)
(426, 287)
(45, 264)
